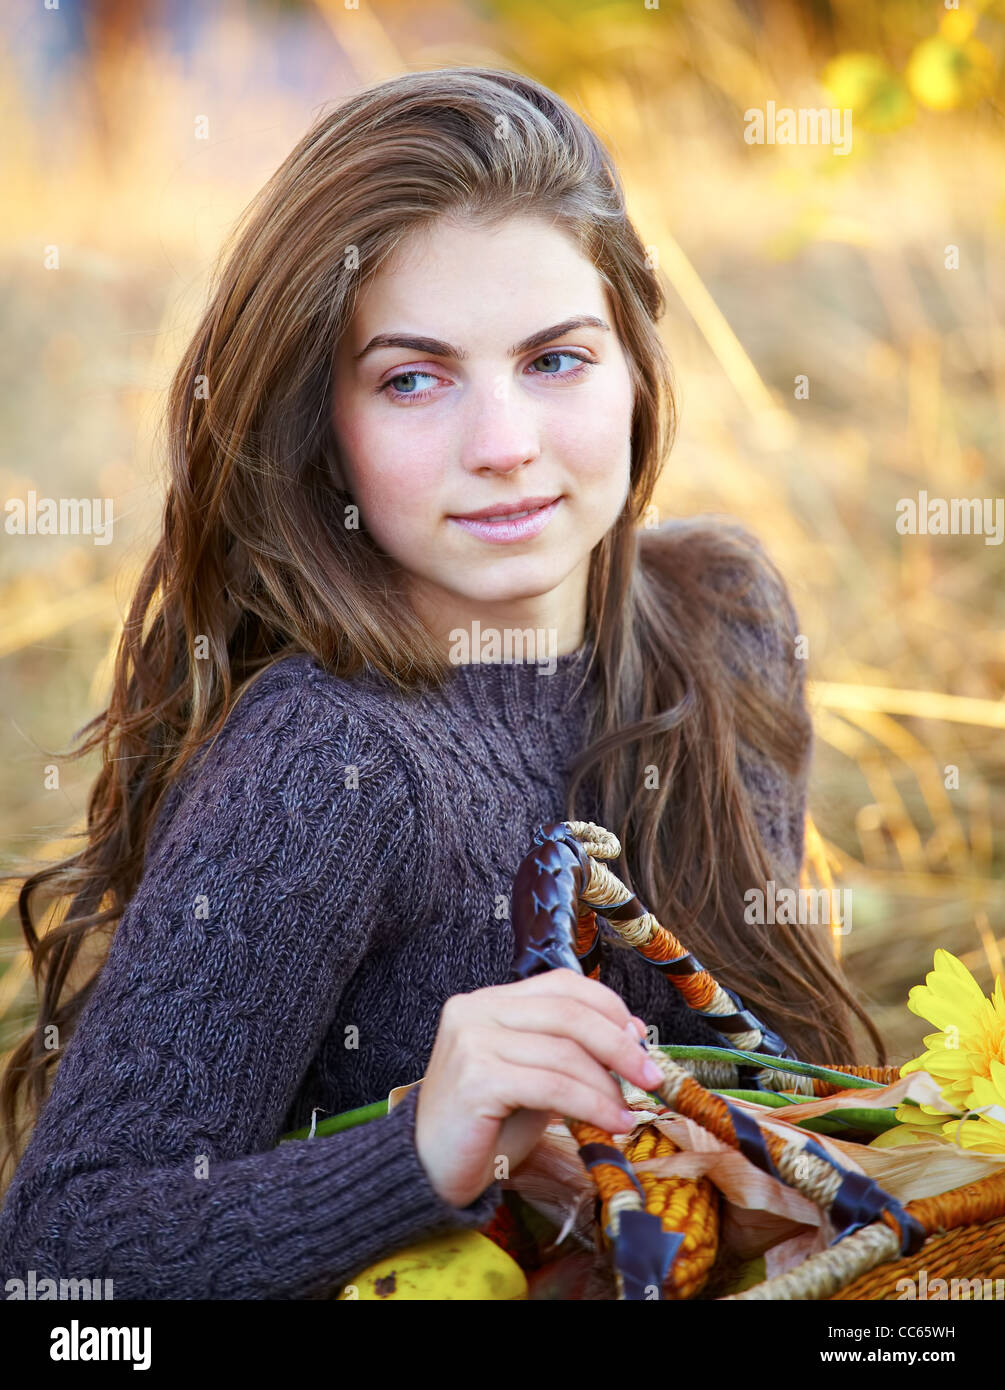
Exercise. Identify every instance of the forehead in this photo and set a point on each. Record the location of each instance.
(450, 278)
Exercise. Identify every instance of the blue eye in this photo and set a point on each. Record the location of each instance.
(554, 356)
(407, 397)
(408, 376)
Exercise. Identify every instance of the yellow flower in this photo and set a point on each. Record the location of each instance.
(972, 1028)
(966, 1058)
(916, 1123)
(985, 1131)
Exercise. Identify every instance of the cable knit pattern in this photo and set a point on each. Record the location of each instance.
(331, 869)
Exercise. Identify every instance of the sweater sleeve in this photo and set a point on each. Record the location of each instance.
(155, 1160)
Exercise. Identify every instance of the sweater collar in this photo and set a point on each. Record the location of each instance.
(521, 691)
(536, 689)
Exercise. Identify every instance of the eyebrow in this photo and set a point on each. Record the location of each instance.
(435, 347)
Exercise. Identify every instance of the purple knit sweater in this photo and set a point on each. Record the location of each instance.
(336, 866)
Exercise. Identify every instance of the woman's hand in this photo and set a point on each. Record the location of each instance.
(508, 1058)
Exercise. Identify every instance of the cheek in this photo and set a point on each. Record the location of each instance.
(413, 483)
(397, 491)
(598, 440)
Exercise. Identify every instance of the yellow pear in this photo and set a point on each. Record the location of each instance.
(458, 1265)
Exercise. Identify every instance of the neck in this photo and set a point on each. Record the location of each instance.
(535, 629)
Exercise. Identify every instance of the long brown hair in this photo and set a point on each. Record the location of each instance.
(255, 561)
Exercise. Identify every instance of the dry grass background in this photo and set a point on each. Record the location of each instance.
(780, 261)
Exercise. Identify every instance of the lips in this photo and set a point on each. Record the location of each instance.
(504, 528)
(508, 516)
(524, 506)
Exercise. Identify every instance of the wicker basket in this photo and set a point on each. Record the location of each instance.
(660, 1232)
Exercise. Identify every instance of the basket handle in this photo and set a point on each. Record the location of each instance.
(559, 888)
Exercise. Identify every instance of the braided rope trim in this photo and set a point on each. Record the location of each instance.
(823, 1274)
(849, 1201)
(605, 892)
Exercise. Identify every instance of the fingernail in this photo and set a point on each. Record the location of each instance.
(652, 1073)
(628, 1119)
(640, 1027)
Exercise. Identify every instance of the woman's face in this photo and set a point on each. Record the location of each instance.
(481, 371)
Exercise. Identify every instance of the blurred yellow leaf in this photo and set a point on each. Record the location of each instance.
(944, 75)
(957, 25)
(869, 86)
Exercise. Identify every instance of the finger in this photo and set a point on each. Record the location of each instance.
(520, 1132)
(555, 1093)
(616, 1048)
(566, 982)
(555, 1054)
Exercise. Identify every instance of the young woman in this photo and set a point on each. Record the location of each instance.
(425, 411)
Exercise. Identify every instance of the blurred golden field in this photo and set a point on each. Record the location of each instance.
(135, 135)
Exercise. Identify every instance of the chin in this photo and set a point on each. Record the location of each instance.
(533, 579)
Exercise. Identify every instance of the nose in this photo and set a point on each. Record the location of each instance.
(501, 432)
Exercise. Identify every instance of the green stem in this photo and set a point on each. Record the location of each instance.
(349, 1118)
(834, 1122)
(694, 1053)
(346, 1120)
